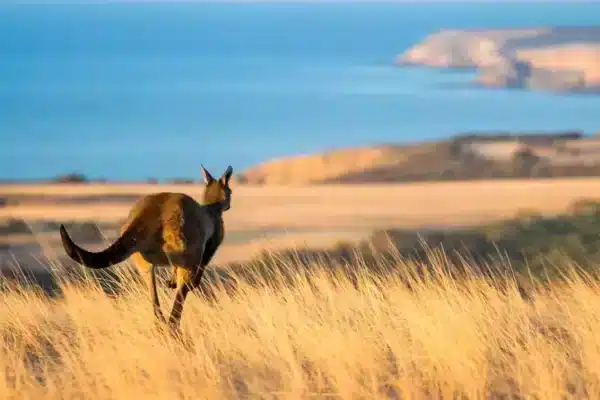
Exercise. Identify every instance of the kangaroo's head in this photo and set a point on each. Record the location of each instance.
(217, 190)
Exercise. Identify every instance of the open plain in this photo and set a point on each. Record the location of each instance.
(271, 217)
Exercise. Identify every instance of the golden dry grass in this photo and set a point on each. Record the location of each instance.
(322, 336)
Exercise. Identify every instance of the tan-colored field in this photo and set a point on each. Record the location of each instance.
(321, 337)
(315, 216)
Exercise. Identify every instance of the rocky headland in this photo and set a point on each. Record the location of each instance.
(560, 59)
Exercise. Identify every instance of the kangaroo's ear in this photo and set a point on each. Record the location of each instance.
(208, 178)
(226, 175)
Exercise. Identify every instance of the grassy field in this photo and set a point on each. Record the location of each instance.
(319, 335)
(317, 330)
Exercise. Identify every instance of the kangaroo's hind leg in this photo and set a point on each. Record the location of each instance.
(146, 269)
(189, 272)
(184, 281)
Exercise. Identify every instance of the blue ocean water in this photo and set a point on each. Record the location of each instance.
(130, 91)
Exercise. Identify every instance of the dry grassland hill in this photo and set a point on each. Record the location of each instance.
(464, 157)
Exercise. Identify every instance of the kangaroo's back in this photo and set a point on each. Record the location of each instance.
(171, 224)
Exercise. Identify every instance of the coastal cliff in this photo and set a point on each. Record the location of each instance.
(554, 59)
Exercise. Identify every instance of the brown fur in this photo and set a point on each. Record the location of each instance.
(167, 229)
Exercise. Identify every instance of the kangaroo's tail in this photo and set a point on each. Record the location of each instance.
(117, 252)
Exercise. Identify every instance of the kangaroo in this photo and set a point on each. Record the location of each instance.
(167, 229)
